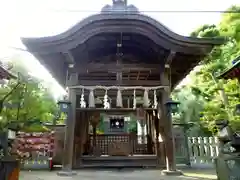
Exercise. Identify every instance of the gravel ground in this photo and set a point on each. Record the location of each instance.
(129, 174)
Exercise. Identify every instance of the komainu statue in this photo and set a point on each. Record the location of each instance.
(228, 160)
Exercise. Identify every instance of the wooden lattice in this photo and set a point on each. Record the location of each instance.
(104, 141)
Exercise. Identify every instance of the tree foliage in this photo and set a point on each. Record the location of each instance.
(206, 95)
(29, 101)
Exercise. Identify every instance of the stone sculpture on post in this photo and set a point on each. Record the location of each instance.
(228, 160)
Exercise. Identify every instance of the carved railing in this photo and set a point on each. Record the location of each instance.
(129, 143)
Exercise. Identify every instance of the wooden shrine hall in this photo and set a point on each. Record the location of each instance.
(232, 72)
(119, 67)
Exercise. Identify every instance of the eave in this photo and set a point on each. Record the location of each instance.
(99, 23)
(195, 48)
(5, 74)
(232, 72)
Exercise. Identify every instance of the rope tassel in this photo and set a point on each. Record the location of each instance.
(145, 99)
(105, 101)
(82, 102)
(119, 98)
(134, 100)
(91, 99)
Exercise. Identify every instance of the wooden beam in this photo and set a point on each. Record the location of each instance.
(69, 57)
(112, 93)
(113, 67)
(123, 83)
(170, 58)
(113, 109)
(138, 75)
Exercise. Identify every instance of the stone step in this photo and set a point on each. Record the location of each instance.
(119, 161)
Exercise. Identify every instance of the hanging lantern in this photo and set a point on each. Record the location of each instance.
(145, 99)
(91, 99)
(119, 99)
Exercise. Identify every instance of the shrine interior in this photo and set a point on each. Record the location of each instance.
(116, 59)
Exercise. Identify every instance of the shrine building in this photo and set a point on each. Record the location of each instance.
(120, 67)
(232, 72)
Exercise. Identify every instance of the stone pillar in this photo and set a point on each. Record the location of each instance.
(69, 137)
(168, 138)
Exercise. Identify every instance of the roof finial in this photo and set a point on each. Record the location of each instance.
(119, 6)
(123, 2)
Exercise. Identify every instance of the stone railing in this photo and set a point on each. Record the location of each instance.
(203, 150)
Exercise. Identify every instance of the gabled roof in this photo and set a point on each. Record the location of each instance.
(126, 19)
(103, 23)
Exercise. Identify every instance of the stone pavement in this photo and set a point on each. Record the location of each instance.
(129, 174)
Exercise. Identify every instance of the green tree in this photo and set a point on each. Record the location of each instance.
(190, 110)
(206, 31)
(230, 24)
(206, 89)
(29, 101)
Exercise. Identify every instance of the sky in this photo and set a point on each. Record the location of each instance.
(37, 18)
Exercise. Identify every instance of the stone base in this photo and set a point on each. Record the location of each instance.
(171, 173)
(68, 173)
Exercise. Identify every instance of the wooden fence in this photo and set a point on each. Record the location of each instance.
(202, 150)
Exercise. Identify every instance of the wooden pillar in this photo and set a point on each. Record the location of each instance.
(150, 127)
(94, 140)
(94, 120)
(167, 132)
(82, 122)
(87, 142)
(76, 140)
(161, 148)
(149, 134)
(69, 136)
(158, 153)
(153, 129)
